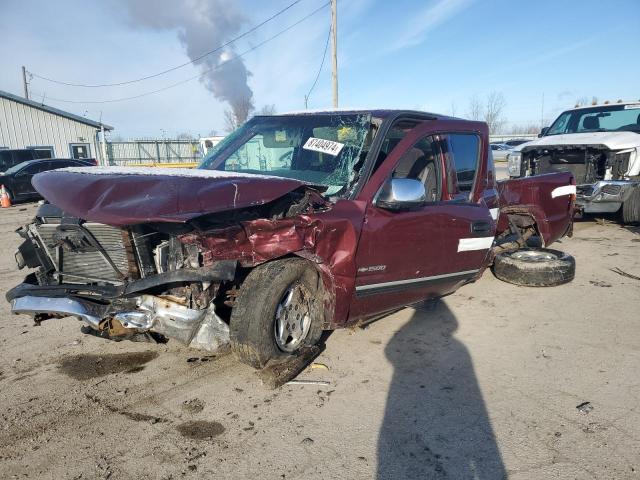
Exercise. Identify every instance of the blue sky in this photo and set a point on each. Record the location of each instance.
(430, 55)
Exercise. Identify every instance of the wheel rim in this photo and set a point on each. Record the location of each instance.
(292, 319)
(534, 256)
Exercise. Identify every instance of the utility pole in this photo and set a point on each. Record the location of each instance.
(334, 50)
(103, 143)
(24, 82)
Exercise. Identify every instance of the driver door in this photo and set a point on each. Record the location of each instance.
(407, 256)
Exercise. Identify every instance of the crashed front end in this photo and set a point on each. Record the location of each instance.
(162, 253)
(157, 254)
(123, 283)
(605, 178)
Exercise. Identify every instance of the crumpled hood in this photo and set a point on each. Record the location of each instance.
(612, 140)
(122, 196)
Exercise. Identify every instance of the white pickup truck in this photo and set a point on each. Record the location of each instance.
(600, 145)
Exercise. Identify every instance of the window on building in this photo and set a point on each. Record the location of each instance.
(20, 156)
(42, 151)
(80, 150)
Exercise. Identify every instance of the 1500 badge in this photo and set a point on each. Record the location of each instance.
(372, 268)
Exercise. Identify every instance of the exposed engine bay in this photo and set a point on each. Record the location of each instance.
(587, 163)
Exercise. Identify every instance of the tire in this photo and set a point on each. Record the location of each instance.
(261, 306)
(535, 267)
(631, 208)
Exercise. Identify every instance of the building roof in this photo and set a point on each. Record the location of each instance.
(55, 111)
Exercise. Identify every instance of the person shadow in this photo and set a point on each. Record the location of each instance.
(436, 424)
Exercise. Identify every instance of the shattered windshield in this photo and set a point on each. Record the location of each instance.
(325, 150)
(611, 118)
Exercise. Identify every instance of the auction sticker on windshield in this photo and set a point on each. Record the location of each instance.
(323, 146)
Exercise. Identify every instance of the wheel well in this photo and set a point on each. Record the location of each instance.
(522, 222)
(521, 228)
(228, 291)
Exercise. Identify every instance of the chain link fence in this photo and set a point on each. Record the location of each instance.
(154, 152)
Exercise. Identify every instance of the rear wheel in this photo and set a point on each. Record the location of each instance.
(540, 267)
(631, 208)
(278, 312)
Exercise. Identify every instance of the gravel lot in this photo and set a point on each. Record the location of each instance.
(483, 384)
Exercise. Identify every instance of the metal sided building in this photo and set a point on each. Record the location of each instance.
(28, 124)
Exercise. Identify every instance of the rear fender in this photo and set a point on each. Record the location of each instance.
(547, 199)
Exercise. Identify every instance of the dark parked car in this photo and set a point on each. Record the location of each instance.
(292, 225)
(515, 142)
(17, 179)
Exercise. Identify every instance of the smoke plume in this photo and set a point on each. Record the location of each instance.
(203, 25)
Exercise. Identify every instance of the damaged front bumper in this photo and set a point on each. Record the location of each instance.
(606, 196)
(201, 329)
(128, 311)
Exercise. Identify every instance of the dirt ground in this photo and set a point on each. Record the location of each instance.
(484, 384)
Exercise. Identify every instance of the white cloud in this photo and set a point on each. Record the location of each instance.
(427, 19)
(544, 57)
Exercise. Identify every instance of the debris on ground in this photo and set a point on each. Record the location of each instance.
(200, 359)
(195, 405)
(603, 221)
(319, 366)
(599, 283)
(624, 274)
(585, 407)
(308, 382)
(277, 373)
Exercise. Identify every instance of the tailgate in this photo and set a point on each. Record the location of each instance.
(548, 198)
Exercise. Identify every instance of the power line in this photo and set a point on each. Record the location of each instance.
(324, 55)
(237, 57)
(200, 57)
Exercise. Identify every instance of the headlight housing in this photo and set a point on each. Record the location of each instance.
(514, 162)
(625, 163)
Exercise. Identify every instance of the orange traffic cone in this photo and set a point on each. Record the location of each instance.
(5, 201)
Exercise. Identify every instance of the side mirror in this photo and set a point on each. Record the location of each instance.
(401, 194)
(543, 132)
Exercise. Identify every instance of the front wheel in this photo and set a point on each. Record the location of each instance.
(535, 267)
(278, 311)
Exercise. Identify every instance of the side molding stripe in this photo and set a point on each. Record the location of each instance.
(476, 243)
(565, 190)
(398, 285)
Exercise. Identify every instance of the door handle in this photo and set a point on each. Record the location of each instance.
(480, 227)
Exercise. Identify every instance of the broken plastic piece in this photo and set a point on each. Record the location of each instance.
(585, 407)
(320, 366)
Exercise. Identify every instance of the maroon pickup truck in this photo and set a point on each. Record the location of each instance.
(292, 225)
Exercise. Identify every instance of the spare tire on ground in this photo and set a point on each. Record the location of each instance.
(535, 267)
